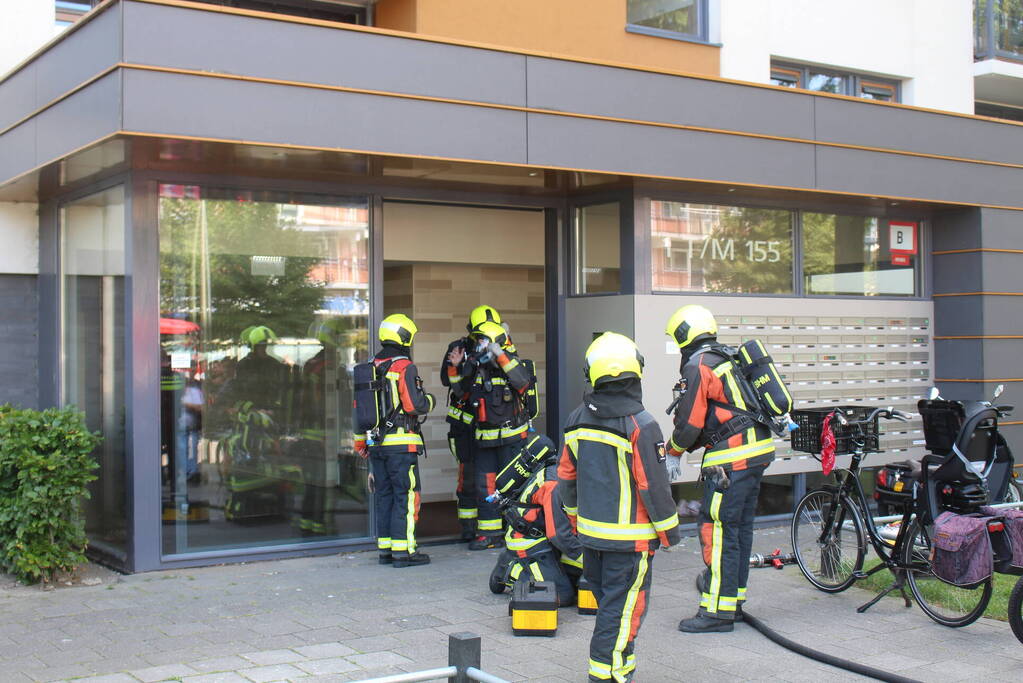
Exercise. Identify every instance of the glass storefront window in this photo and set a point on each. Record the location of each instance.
(853, 255)
(264, 304)
(706, 248)
(92, 351)
(597, 249)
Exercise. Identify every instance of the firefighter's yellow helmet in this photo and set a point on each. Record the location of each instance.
(482, 314)
(612, 356)
(257, 334)
(397, 328)
(493, 332)
(690, 324)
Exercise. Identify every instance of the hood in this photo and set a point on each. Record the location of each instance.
(618, 398)
(700, 346)
(392, 351)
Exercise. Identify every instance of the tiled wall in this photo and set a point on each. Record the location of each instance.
(439, 297)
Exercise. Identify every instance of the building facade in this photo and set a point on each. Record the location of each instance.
(208, 207)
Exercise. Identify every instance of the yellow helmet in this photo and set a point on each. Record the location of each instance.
(612, 356)
(397, 328)
(493, 332)
(482, 314)
(690, 324)
(257, 334)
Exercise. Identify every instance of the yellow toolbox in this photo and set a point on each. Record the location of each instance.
(586, 600)
(534, 608)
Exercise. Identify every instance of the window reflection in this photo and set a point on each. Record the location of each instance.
(264, 310)
(597, 246)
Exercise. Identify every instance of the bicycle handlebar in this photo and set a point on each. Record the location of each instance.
(888, 413)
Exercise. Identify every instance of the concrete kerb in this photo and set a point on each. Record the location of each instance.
(347, 618)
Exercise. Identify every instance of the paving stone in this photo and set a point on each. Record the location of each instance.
(330, 665)
(273, 657)
(161, 673)
(324, 650)
(275, 672)
(222, 677)
(220, 664)
(108, 678)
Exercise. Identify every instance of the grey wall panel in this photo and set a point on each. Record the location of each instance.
(871, 125)
(646, 150)
(1001, 272)
(873, 173)
(209, 41)
(80, 56)
(958, 315)
(956, 229)
(174, 104)
(1002, 358)
(608, 91)
(958, 358)
(18, 150)
(17, 97)
(958, 272)
(584, 317)
(19, 338)
(88, 115)
(1002, 229)
(1002, 315)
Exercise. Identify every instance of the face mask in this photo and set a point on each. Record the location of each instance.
(482, 345)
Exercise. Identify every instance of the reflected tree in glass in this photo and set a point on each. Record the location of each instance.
(760, 244)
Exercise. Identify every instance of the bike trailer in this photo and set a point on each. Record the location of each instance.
(962, 552)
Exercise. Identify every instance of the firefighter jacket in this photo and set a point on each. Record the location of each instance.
(405, 399)
(497, 391)
(612, 475)
(460, 410)
(710, 386)
(538, 523)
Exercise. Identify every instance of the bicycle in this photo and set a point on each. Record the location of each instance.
(829, 534)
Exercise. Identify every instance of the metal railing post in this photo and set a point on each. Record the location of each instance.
(463, 653)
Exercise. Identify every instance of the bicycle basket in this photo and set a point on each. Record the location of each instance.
(942, 422)
(807, 439)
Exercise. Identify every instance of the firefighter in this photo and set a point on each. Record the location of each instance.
(540, 542)
(462, 421)
(613, 479)
(737, 450)
(497, 382)
(394, 466)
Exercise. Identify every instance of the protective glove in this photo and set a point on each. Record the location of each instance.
(673, 463)
(494, 349)
(362, 450)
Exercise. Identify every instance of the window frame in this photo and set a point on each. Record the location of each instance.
(856, 82)
(702, 34)
(922, 285)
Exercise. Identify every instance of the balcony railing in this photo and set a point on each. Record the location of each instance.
(998, 29)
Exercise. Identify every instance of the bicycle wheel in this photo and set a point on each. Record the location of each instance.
(828, 557)
(1016, 610)
(948, 605)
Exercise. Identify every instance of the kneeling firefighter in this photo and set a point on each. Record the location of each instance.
(389, 399)
(502, 388)
(613, 480)
(713, 413)
(540, 541)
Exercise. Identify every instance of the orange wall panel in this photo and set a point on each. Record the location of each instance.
(588, 29)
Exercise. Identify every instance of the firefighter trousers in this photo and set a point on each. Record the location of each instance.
(621, 584)
(462, 443)
(489, 461)
(726, 535)
(396, 500)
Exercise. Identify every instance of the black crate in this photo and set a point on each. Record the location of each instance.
(807, 438)
(942, 421)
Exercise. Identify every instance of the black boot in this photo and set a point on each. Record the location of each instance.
(486, 543)
(468, 531)
(703, 623)
(410, 560)
(385, 558)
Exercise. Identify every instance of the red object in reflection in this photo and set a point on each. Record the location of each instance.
(827, 445)
(176, 326)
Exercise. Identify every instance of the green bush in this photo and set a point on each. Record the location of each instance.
(45, 465)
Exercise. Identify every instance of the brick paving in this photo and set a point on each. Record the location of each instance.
(344, 618)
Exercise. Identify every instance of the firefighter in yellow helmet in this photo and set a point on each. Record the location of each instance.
(394, 463)
(614, 483)
(498, 383)
(461, 419)
(737, 450)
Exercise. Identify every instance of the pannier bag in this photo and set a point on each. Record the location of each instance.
(758, 368)
(1013, 531)
(961, 551)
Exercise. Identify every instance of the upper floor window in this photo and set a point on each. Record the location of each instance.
(686, 19)
(997, 29)
(67, 12)
(834, 81)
